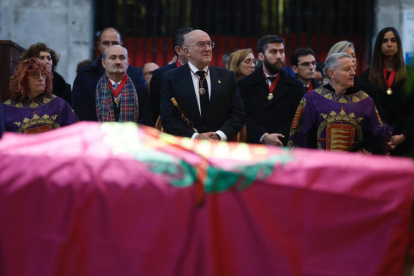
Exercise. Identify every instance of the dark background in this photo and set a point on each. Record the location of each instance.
(147, 25)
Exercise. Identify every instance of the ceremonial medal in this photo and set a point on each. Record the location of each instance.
(389, 91)
(389, 80)
(273, 81)
(116, 100)
(202, 90)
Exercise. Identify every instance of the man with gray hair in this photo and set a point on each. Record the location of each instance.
(84, 86)
(115, 97)
(329, 118)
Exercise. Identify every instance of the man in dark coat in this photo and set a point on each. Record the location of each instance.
(84, 86)
(156, 81)
(270, 95)
(304, 65)
(208, 96)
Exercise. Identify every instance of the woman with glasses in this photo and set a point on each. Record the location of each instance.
(395, 81)
(242, 63)
(32, 108)
(47, 56)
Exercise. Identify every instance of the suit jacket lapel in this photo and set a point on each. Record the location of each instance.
(215, 88)
(280, 88)
(188, 88)
(260, 86)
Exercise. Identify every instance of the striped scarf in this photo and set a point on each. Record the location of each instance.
(104, 104)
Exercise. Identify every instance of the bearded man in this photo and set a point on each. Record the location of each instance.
(270, 95)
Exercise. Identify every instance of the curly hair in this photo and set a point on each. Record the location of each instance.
(19, 85)
(34, 52)
(236, 58)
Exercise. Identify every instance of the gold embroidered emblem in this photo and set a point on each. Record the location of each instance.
(37, 124)
(340, 131)
(299, 113)
(353, 98)
(378, 116)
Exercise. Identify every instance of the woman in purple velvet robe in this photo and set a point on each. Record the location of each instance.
(32, 108)
(332, 118)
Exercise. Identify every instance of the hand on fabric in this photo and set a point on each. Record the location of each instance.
(273, 139)
(396, 140)
(207, 136)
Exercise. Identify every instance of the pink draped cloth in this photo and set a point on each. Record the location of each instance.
(114, 199)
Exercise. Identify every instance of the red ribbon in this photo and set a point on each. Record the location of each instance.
(310, 87)
(119, 88)
(178, 63)
(390, 80)
(274, 83)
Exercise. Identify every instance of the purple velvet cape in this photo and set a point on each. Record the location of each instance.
(40, 114)
(328, 122)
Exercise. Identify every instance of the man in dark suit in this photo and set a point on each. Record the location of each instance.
(304, 65)
(270, 95)
(208, 96)
(156, 81)
(84, 86)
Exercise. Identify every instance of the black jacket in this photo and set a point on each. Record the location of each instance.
(155, 89)
(225, 112)
(61, 88)
(274, 116)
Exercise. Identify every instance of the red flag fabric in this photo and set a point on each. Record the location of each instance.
(118, 199)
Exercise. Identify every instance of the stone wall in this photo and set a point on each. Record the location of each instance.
(66, 26)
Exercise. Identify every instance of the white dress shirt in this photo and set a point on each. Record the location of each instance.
(196, 84)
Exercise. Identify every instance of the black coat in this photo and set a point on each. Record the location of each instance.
(397, 110)
(369, 88)
(274, 116)
(225, 111)
(61, 88)
(155, 89)
(315, 84)
(84, 87)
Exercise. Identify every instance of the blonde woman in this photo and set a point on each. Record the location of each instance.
(242, 63)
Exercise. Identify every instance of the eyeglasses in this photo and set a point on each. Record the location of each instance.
(203, 44)
(37, 74)
(149, 73)
(307, 64)
(249, 61)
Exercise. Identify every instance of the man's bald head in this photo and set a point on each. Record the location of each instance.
(198, 48)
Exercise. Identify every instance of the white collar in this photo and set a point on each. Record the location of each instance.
(112, 82)
(269, 76)
(195, 69)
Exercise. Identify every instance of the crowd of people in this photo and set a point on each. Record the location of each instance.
(328, 108)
